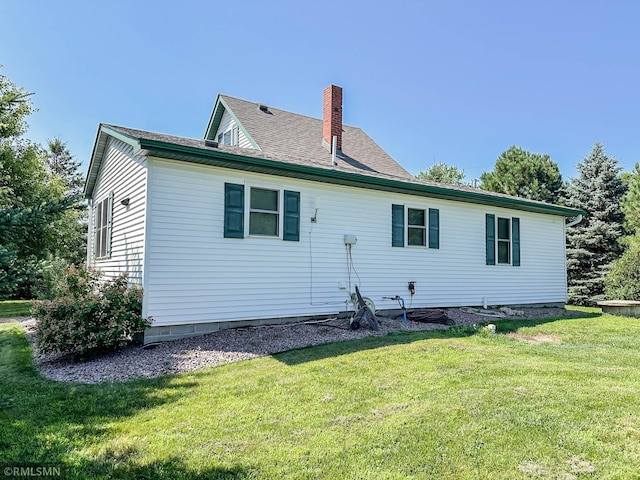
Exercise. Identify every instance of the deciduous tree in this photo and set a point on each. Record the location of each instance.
(40, 208)
(443, 173)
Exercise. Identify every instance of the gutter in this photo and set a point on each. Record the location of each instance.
(240, 162)
(577, 220)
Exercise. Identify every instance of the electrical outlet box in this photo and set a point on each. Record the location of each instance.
(350, 239)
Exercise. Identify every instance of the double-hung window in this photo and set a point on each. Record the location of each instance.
(271, 212)
(421, 228)
(416, 227)
(102, 227)
(502, 240)
(264, 217)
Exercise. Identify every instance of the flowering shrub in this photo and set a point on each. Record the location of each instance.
(89, 317)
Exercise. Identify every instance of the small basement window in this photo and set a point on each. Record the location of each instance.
(264, 217)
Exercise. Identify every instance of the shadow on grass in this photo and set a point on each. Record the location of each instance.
(171, 469)
(42, 421)
(310, 354)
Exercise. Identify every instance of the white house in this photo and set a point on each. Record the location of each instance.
(265, 221)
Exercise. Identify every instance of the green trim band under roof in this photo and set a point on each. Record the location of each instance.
(262, 165)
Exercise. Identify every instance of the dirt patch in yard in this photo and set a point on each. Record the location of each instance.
(536, 339)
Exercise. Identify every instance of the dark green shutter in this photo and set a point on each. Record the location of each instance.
(233, 210)
(491, 239)
(515, 240)
(397, 225)
(291, 216)
(434, 228)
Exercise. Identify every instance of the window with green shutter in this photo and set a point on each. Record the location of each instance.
(397, 225)
(502, 240)
(233, 210)
(267, 209)
(515, 239)
(490, 236)
(434, 228)
(291, 227)
(422, 226)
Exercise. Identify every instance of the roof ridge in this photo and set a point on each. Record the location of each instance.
(285, 111)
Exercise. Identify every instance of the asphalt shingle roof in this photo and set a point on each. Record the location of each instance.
(279, 133)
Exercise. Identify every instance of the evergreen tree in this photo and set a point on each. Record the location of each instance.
(623, 279)
(594, 243)
(71, 239)
(443, 173)
(631, 201)
(524, 174)
(40, 209)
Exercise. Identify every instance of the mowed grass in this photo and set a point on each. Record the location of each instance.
(541, 399)
(15, 308)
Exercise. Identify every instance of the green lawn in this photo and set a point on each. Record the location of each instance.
(419, 405)
(15, 308)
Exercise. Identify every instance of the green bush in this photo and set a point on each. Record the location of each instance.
(89, 317)
(623, 279)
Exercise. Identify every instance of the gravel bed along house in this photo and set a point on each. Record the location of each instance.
(233, 345)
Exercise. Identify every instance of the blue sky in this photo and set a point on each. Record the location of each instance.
(430, 81)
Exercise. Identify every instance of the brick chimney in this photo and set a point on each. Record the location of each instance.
(332, 116)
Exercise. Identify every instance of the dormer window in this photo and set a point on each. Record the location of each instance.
(230, 137)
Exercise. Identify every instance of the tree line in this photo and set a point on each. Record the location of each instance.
(42, 216)
(43, 219)
(603, 250)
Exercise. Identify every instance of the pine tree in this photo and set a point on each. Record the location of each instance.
(524, 174)
(623, 279)
(594, 243)
(631, 201)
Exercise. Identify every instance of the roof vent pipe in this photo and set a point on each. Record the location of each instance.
(334, 147)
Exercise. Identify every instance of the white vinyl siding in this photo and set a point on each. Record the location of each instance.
(121, 176)
(195, 275)
(233, 132)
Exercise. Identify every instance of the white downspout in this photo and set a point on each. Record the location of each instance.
(575, 222)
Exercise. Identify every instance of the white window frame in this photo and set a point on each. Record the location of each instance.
(102, 251)
(249, 210)
(424, 227)
(499, 240)
(232, 134)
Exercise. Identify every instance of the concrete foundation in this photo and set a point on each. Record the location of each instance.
(175, 332)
